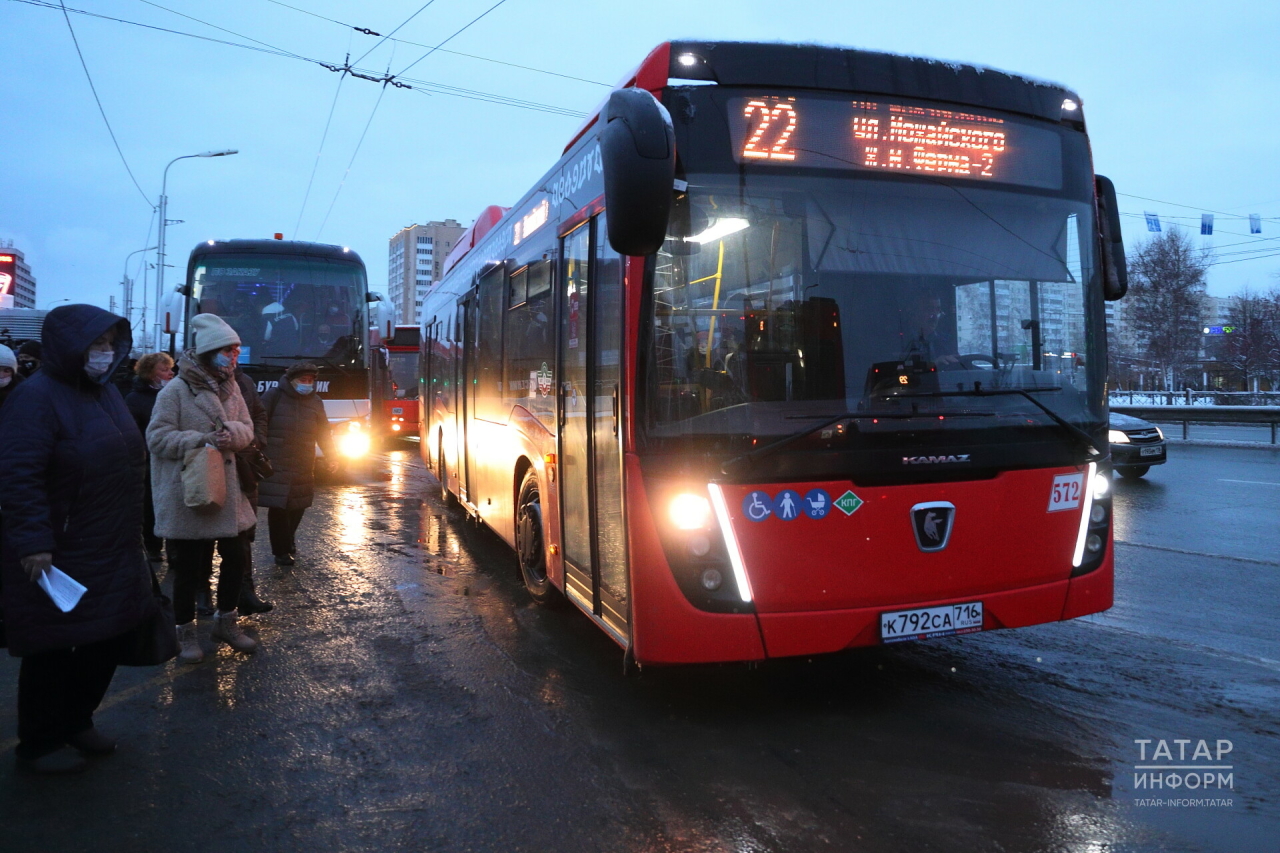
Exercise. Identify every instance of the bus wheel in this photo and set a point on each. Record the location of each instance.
(530, 548)
(443, 473)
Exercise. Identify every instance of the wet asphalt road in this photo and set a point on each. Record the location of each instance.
(408, 696)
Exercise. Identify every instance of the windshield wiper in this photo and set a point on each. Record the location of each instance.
(1093, 454)
(741, 463)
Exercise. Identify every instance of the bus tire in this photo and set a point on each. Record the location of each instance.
(442, 472)
(530, 544)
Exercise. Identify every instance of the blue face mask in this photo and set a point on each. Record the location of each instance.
(222, 361)
(304, 388)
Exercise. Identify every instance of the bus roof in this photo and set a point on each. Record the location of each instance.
(488, 218)
(276, 247)
(820, 67)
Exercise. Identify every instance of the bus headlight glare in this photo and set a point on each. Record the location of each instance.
(1115, 436)
(1101, 485)
(354, 444)
(689, 511)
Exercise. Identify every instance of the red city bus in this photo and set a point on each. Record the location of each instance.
(795, 349)
(398, 384)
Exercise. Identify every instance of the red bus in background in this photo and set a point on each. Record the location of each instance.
(398, 383)
(795, 349)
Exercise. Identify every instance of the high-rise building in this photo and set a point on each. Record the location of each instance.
(15, 278)
(415, 257)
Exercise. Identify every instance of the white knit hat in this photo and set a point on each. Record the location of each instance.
(210, 332)
(7, 358)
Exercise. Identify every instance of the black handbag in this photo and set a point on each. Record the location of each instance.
(155, 639)
(259, 463)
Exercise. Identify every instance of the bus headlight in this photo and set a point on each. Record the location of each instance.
(689, 511)
(354, 442)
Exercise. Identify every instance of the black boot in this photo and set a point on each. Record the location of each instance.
(249, 601)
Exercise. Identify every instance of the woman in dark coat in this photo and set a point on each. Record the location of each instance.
(151, 373)
(296, 423)
(71, 470)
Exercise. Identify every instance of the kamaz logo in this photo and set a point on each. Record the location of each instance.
(935, 460)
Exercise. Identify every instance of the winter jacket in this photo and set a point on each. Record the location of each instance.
(185, 416)
(258, 414)
(71, 469)
(297, 422)
(141, 400)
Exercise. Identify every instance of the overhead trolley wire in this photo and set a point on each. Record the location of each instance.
(446, 41)
(222, 29)
(425, 86)
(1196, 207)
(343, 182)
(316, 164)
(388, 79)
(98, 101)
(396, 30)
(370, 32)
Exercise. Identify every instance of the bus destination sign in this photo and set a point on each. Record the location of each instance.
(894, 137)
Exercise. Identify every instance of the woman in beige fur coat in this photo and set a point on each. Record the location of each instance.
(203, 406)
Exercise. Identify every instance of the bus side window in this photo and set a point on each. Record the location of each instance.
(530, 346)
(489, 346)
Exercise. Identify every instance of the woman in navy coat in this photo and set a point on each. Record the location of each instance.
(71, 471)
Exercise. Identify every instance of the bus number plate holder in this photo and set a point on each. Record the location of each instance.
(928, 622)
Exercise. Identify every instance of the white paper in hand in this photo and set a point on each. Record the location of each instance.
(62, 588)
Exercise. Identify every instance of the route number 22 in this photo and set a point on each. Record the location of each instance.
(771, 130)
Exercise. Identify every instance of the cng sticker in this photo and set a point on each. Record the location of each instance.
(848, 503)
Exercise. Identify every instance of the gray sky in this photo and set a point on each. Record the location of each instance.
(1179, 97)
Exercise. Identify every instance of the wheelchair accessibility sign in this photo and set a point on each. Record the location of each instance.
(788, 505)
(757, 506)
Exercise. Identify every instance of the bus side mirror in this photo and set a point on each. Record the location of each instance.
(638, 147)
(1115, 271)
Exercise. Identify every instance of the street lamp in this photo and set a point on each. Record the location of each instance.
(49, 305)
(164, 209)
(128, 286)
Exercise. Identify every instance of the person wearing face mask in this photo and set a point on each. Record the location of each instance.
(296, 423)
(150, 373)
(29, 355)
(203, 406)
(71, 469)
(10, 378)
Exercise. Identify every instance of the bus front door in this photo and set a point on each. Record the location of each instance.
(590, 344)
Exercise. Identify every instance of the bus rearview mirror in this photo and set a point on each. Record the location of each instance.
(638, 149)
(1115, 270)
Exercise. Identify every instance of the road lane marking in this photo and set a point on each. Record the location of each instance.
(1198, 553)
(1250, 482)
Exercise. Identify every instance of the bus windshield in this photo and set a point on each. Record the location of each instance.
(781, 300)
(404, 375)
(285, 308)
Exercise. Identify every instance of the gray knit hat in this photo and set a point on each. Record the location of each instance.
(210, 332)
(7, 358)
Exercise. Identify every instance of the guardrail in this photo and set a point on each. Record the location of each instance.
(1195, 398)
(1187, 415)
